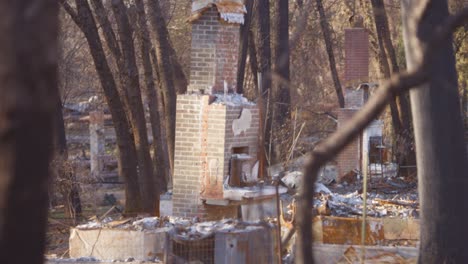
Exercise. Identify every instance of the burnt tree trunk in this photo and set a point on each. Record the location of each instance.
(281, 103)
(162, 47)
(440, 148)
(127, 161)
(131, 87)
(283, 97)
(253, 60)
(162, 167)
(162, 123)
(264, 65)
(385, 69)
(244, 46)
(404, 139)
(331, 56)
(28, 77)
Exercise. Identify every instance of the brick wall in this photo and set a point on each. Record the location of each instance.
(356, 57)
(203, 149)
(349, 158)
(249, 138)
(187, 163)
(214, 53)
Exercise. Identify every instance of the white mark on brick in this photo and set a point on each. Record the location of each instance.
(213, 168)
(243, 123)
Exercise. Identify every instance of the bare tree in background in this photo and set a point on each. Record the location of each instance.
(282, 96)
(28, 76)
(331, 56)
(165, 68)
(161, 161)
(130, 82)
(244, 46)
(399, 107)
(83, 17)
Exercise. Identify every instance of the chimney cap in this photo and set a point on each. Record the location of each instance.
(231, 11)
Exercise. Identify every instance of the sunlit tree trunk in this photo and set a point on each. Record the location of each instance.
(127, 161)
(162, 168)
(131, 87)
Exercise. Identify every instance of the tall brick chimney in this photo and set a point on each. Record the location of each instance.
(216, 135)
(356, 73)
(215, 44)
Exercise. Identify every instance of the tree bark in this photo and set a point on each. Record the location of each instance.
(283, 97)
(264, 64)
(263, 43)
(165, 67)
(331, 56)
(131, 87)
(28, 77)
(83, 17)
(163, 124)
(253, 60)
(244, 48)
(162, 168)
(440, 148)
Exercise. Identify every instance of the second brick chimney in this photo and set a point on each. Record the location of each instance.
(356, 73)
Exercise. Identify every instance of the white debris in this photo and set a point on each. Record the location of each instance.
(147, 223)
(237, 18)
(90, 225)
(95, 224)
(319, 187)
(206, 229)
(232, 99)
(293, 179)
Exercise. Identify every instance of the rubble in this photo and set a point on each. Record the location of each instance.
(232, 99)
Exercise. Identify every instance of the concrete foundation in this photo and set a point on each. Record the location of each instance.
(110, 244)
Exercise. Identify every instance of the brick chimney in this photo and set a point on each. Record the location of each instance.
(215, 44)
(216, 138)
(356, 73)
(356, 57)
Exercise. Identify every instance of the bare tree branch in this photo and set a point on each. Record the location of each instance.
(338, 140)
(108, 32)
(71, 12)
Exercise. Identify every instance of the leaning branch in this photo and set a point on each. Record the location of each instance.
(71, 12)
(338, 140)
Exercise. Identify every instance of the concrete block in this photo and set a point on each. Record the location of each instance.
(111, 244)
(396, 228)
(254, 244)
